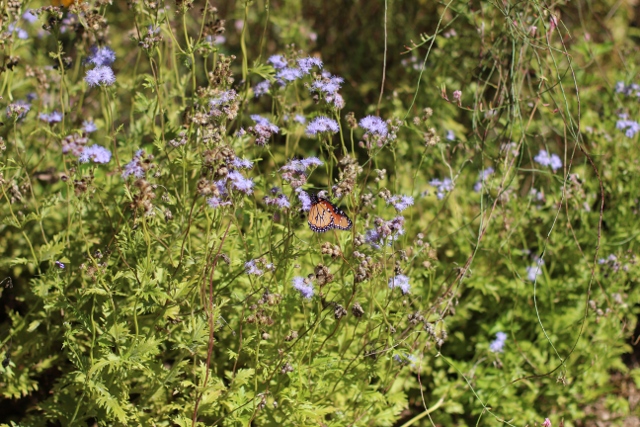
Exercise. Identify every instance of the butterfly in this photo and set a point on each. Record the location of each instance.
(65, 3)
(324, 215)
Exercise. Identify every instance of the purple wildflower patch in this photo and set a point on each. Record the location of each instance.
(374, 125)
(544, 159)
(102, 75)
(277, 61)
(102, 56)
(400, 202)
(442, 187)
(240, 183)
(322, 124)
(135, 167)
(261, 88)
(306, 64)
(54, 117)
(385, 232)
(482, 176)
(306, 290)
(304, 198)
(630, 127)
(95, 153)
(216, 202)
(497, 345)
(88, 126)
(400, 281)
(288, 75)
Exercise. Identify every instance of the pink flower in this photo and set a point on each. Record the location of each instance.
(546, 423)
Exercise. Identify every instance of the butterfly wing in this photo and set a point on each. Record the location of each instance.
(320, 218)
(340, 220)
(324, 215)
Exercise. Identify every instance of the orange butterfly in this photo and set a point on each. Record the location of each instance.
(324, 215)
(65, 3)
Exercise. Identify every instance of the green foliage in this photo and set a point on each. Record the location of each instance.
(156, 287)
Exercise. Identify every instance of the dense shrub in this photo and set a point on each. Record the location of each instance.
(159, 161)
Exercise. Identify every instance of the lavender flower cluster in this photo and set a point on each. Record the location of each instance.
(102, 74)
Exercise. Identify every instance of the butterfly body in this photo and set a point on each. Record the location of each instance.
(324, 216)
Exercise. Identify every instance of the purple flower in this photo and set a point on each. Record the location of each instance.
(224, 98)
(22, 34)
(374, 125)
(96, 153)
(263, 129)
(214, 40)
(261, 88)
(216, 202)
(497, 345)
(301, 165)
(535, 270)
(29, 16)
(241, 183)
(102, 56)
(406, 359)
(54, 117)
(251, 268)
(482, 176)
(277, 61)
(546, 422)
(328, 85)
(300, 119)
(400, 281)
(239, 163)
(337, 100)
(264, 122)
(632, 127)
(288, 75)
(627, 90)
(443, 186)
(306, 290)
(18, 109)
(544, 159)
(134, 167)
(100, 75)
(400, 202)
(304, 198)
(88, 126)
(385, 232)
(280, 201)
(450, 136)
(60, 265)
(74, 144)
(306, 64)
(322, 124)
(294, 172)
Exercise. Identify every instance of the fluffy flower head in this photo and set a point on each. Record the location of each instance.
(322, 124)
(102, 75)
(306, 290)
(95, 153)
(400, 281)
(374, 125)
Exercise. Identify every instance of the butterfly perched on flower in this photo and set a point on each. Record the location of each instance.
(324, 215)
